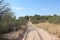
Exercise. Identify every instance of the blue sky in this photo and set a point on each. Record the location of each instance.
(32, 7)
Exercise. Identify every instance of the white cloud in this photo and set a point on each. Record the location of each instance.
(17, 8)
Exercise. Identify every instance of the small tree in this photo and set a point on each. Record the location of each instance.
(7, 20)
(55, 15)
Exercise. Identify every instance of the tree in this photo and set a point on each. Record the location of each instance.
(55, 15)
(3, 8)
(26, 18)
(21, 21)
(7, 18)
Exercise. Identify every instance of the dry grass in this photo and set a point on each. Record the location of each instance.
(50, 27)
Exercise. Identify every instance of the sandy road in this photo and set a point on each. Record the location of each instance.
(34, 33)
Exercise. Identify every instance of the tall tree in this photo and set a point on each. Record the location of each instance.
(7, 20)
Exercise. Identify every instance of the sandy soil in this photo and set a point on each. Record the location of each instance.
(35, 33)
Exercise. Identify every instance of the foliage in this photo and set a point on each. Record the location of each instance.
(8, 21)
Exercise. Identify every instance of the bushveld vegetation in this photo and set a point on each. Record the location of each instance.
(9, 23)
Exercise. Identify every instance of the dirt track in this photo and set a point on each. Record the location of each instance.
(34, 33)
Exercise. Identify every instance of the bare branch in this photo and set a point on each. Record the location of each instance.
(1, 1)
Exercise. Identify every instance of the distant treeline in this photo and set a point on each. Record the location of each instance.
(38, 19)
(52, 19)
